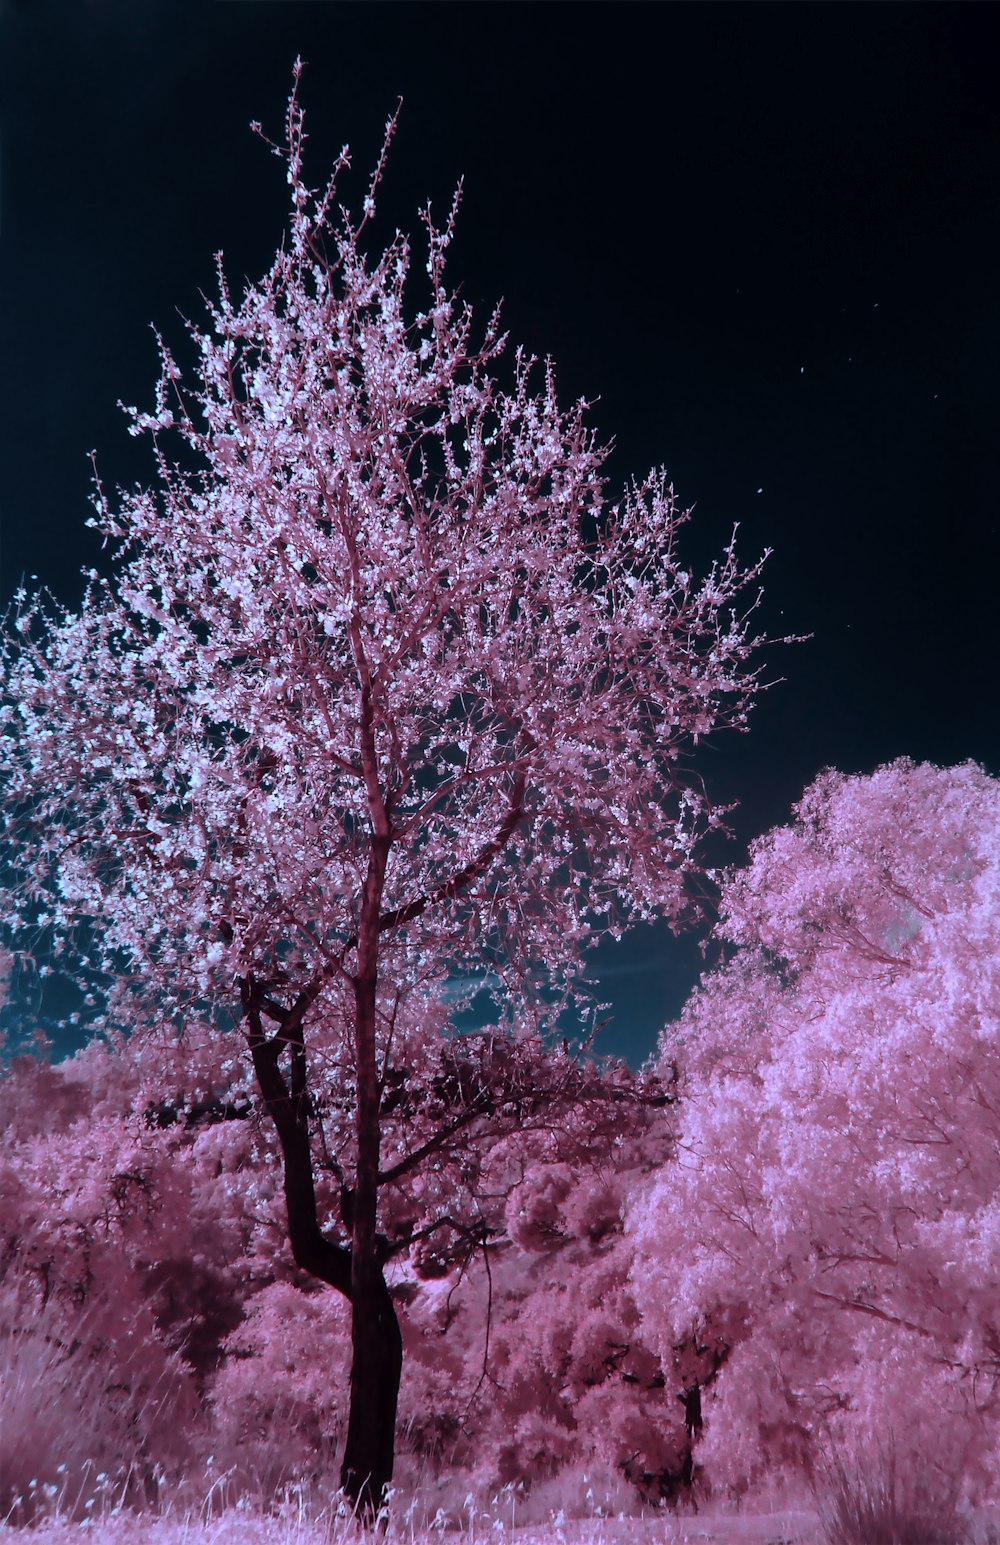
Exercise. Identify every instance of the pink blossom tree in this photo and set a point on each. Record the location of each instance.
(830, 1227)
(383, 701)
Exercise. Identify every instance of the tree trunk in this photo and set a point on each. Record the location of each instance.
(376, 1341)
(377, 1344)
(375, 1374)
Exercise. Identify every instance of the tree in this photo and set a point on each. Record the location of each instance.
(830, 1225)
(382, 702)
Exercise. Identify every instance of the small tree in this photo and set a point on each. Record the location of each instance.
(382, 701)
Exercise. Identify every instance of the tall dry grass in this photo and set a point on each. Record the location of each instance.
(875, 1496)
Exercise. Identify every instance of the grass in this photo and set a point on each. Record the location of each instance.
(872, 1498)
(293, 1521)
(857, 1507)
(236, 1528)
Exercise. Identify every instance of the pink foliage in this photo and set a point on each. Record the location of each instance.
(152, 1226)
(116, 1282)
(543, 1367)
(278, 1402)
(144, 1284)
(831, 1226)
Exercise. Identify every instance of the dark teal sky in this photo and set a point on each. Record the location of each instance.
(767, 237)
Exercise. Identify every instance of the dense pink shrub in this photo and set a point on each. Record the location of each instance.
(278, 1401)
(124, 1262)
(540, 1366)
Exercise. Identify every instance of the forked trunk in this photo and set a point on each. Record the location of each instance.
(375, 1373)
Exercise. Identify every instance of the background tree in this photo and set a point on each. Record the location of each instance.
(831, 1221)
(383, 699)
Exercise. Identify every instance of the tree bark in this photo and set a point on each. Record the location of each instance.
(376, 1343)
(377, 1347)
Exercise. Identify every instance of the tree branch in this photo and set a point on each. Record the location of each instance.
(471, 871)
(311, 1249)
(432, 1145)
